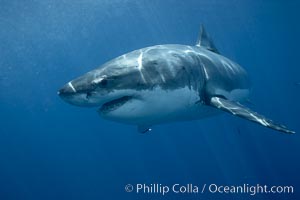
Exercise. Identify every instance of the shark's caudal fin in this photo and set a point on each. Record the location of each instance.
(244, 112)
(205, 41)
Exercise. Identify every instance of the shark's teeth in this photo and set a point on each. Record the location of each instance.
(114, 104)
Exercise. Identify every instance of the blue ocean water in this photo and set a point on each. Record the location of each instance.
(52, 150)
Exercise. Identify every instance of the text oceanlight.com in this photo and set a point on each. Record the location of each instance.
(163, 189)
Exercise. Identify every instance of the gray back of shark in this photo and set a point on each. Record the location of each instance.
(166, 83)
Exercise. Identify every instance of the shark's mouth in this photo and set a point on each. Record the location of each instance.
(114, 104)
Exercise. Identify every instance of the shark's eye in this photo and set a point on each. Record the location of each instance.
(103, 82)
(100, 81)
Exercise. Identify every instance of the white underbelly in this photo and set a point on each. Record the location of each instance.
(159, 106)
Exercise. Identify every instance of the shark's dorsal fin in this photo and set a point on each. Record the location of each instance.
(205, 41)
(244, 112)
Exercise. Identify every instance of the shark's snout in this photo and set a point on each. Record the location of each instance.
(79, 92)
(71, 95)
(67, 90)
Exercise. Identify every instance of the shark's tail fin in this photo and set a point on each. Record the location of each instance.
(205, 41)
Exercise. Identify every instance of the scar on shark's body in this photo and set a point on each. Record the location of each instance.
(166, 83)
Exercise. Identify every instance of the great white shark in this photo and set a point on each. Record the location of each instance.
(166, 83)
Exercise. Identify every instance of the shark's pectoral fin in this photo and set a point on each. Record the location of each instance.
(143, 128)
(244, 112)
